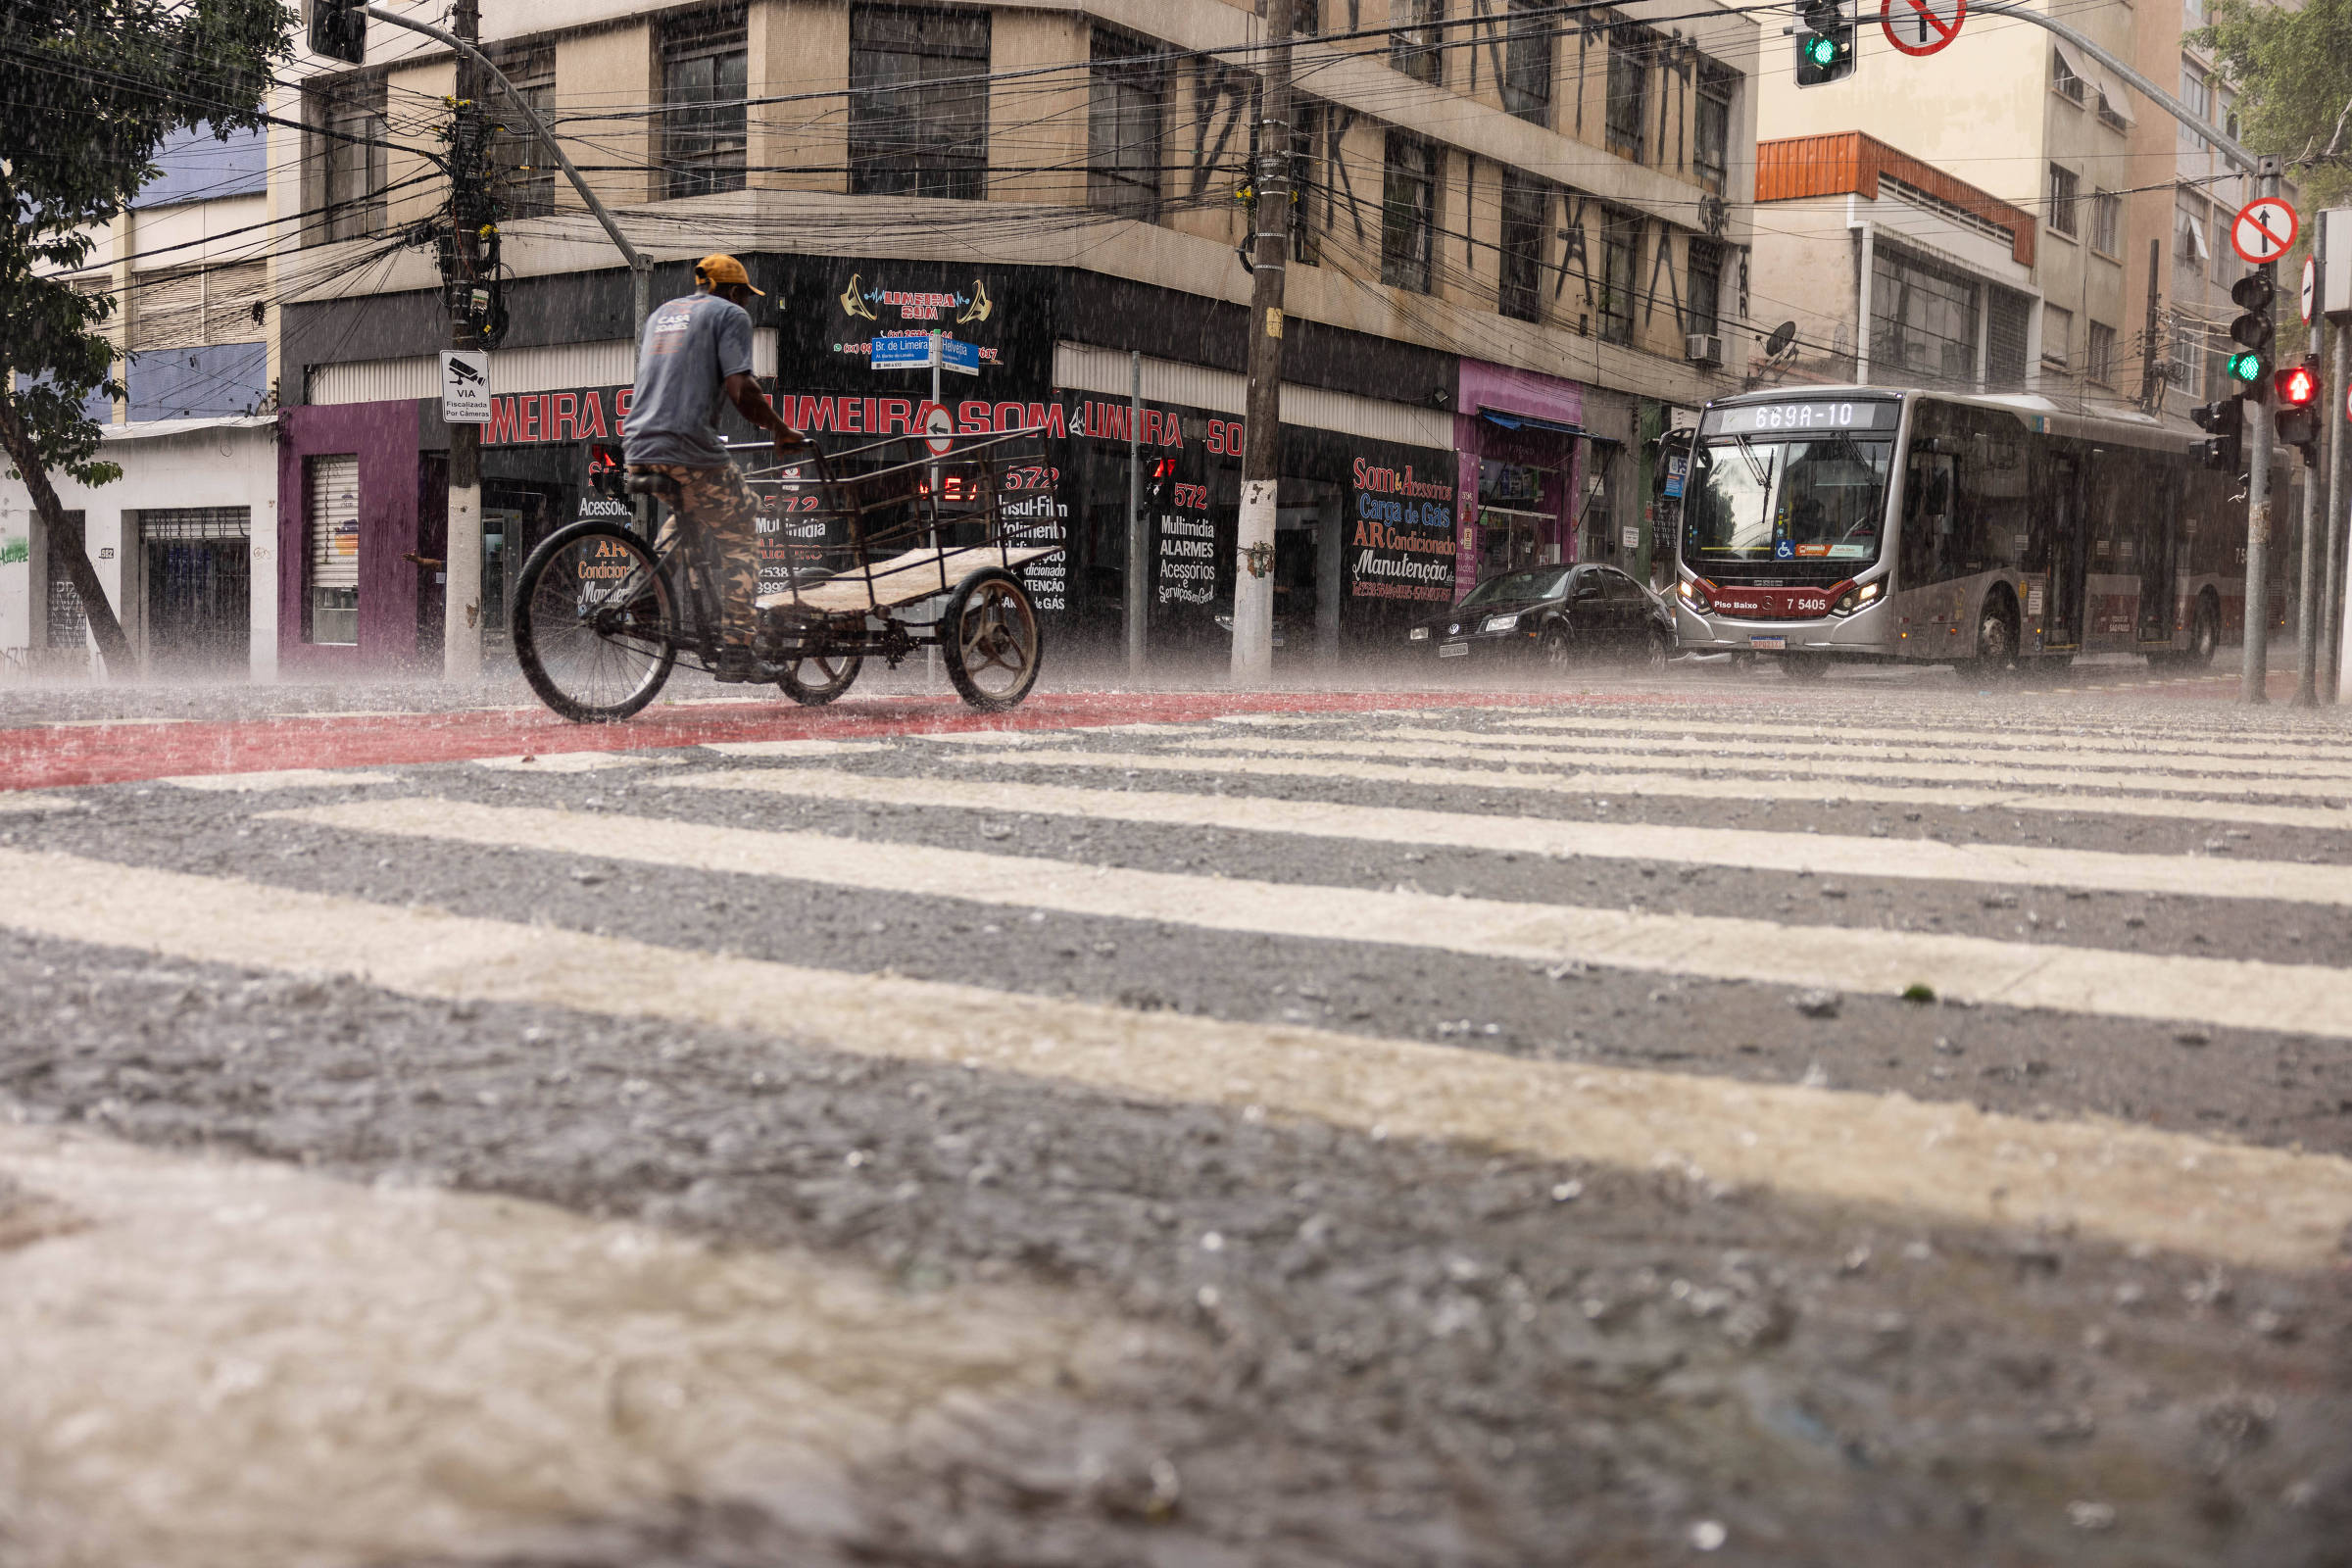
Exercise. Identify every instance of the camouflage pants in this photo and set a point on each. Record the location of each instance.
(717, 502)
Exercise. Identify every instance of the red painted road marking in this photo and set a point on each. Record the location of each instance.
(46, 756)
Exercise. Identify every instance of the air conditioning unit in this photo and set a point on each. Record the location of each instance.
(1702, 347)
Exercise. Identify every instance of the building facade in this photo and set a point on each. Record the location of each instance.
(1519, 239)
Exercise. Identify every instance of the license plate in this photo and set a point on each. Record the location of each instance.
(1768, 641)
(1452, 650)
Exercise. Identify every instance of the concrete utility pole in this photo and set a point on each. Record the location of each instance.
(1261, 441)
(2151, 390)
(469, 213)
(1139, 567)
(2339, 510)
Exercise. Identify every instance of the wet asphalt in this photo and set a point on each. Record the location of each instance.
(1397, 1351)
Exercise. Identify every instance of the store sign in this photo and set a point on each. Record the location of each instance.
(599, 414)
(1404, 543)
(873, 309)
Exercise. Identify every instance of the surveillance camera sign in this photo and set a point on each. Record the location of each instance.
(464, 386)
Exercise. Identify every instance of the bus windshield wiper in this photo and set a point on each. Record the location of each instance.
(1755, 465)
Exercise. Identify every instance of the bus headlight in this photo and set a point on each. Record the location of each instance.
(1854, 599)
(1694, 596)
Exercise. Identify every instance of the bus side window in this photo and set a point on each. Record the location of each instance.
(1929, 493)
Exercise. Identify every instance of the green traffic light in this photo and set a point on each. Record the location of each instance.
(1821, 50)
(2246, 366)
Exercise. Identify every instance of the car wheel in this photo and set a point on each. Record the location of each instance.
(1558, 647)
(1657, 649)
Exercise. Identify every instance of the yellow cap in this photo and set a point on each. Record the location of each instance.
(723, 268)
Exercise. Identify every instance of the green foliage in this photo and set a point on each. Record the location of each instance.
(2295, 71)
(93, 89)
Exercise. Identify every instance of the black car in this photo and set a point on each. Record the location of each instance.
(1562, 614)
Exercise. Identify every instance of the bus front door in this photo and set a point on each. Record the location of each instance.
(2062, 618)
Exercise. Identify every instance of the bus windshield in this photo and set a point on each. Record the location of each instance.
(1770, 500)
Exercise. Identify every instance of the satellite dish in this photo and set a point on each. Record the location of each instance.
(1782, 337)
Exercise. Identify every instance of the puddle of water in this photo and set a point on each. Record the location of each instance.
(225, 1362)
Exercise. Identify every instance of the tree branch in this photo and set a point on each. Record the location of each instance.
(65, 535)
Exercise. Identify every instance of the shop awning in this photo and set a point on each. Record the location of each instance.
(1528, 422)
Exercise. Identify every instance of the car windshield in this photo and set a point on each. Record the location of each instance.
(1819, 497)
(1517, 588)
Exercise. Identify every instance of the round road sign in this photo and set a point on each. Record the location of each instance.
(1921, 27)
(939, 430)
(2262, 230)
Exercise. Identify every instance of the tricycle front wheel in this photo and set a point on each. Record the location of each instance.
(990, 640)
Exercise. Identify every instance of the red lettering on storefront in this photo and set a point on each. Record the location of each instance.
(1009, 416)
(503, 426)
(846, 414)
(565, 416)
(1048, 415)
(972, 416)
(873, 416)
(530, 421)
(807, 413)
(896, 413)
(592, 404)
(620, 410)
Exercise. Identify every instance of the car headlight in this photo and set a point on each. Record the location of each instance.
(1498, 623)
(1694, 596)
(1419, 634)
(1854, 598)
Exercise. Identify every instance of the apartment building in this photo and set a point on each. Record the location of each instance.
(184, 542)
(1520, 239)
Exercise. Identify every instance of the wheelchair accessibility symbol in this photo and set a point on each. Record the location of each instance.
(1783, 551)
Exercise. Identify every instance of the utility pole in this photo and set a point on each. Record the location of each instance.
(462, 277)
(2254, 675)
(2339, 499)
(1139, 569)
(2151, 390)
(2311, 596)
(1261, 440)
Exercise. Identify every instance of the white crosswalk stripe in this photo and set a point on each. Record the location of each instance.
(1626, 785)
(2227, 993)
(1918, 859)
(2143, 742)
(1839, 768)
(1885, 1154)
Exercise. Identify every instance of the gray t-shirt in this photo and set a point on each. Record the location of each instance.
(691, 347)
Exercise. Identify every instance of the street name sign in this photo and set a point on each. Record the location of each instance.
(2262, 230)
(902, 351)
(1921, 27)
(962, 358)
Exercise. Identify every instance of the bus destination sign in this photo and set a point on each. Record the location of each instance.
(1825, 415)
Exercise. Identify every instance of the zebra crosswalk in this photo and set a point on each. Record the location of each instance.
(1814, 1003)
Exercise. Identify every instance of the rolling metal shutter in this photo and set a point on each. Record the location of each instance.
(333, 554)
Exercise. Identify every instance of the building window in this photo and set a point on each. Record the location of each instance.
(1124, 121)
(522, 168)
(1629, 92)
(1527, 62)
(350, 117)
(2057, 336)
(2065, 186)
(1620, 257)
(1923, 320)
(1418, 48)
(1706, 287)
(2107, 222)
(2188, 241)
(2188, 359)
(2063, 80)
(2098, 354)
(705, 65)
(331, 606)
(918, 115)
(1408, 213)
(1711, 143)
(2006, 313)
(1524, 200)
(1310, 212)
(187, 307)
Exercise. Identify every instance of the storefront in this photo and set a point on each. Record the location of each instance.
(1365, 513)
(1523, 454)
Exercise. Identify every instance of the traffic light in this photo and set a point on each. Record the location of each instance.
(2251, 330)
(339, 30)
(2224, 449)
(2298, 422)
(1825, 44)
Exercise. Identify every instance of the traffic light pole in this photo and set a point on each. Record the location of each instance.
(2311, 595)
(2254, 672)
(2339, 497)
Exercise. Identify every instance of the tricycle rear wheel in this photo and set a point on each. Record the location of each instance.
(817, 679)
(990, 640)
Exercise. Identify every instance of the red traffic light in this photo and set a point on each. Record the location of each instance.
(2296, 386)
